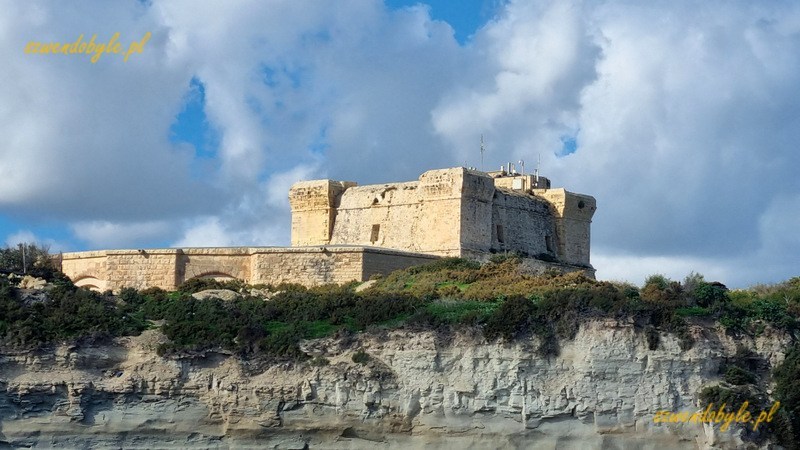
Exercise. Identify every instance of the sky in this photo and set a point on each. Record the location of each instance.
(681, 118)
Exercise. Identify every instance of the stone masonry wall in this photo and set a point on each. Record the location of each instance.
(168, 268)
(218, 263)
(527, 224)
(416, 217)
(308, 266)
(448, 212)
(377, 261)
(314, 206)
(573, 214)
(141, 268)
(86, 268)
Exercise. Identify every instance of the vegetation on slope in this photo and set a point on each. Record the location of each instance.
(447, 294)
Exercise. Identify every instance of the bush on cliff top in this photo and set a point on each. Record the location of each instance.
(450, 292)
(30, 259)
(68, 314)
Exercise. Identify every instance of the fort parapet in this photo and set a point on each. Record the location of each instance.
(343, 232)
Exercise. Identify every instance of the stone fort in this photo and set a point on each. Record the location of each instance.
(343, 232)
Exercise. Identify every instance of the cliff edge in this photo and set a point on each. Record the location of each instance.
(409, 388)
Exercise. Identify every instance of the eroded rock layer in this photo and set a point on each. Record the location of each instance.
(416, 389)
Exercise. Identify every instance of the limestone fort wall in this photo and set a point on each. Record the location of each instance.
(343, 232)
(168, 268)
(448, 212)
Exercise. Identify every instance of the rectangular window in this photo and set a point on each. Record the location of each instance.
(500, 236)
(548, 241)
(376, 229)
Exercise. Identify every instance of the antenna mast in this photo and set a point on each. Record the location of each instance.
(536, 174)
(482, 150)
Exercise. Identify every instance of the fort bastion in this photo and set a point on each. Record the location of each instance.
(343, 232)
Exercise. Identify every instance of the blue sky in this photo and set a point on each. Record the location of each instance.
(683, 122)
(465, 17)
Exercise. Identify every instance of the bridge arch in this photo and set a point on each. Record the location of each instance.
(213, 275)
(90, 282)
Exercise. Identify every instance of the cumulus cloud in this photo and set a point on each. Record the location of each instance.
(681, 120)
(685, 122)
(29, 237)
(90, 141)
(20, 237)
(690, 126)
(530, 67)
(104, 234)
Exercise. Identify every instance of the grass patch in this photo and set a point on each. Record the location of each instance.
(320, 328)
(456, 312)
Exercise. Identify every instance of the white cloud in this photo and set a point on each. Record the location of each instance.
(686, 124)
(635, 269)
(531, 66)
(104, 234)
(206, 232)
(276, 189)
(90, 141)
(686, 119)
(29, 237)
(20, 237)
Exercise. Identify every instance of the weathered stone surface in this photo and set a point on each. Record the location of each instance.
(31, 296)
(222, 294)
(365, 285)
(168, 268)
(448, 212)
(29, 282)
(601, 392)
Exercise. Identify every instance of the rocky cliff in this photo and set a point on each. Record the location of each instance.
(413, 389)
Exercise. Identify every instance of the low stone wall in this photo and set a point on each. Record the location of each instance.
(168, 268)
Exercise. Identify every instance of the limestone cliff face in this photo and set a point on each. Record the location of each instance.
(417, 389)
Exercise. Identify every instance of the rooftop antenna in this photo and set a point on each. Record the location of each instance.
(482, 150)
(536, 173)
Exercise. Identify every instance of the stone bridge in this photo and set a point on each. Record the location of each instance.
(168, 268)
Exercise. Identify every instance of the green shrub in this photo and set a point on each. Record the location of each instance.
(461, 311)
(319, 361)
(693, 311)
(445, 264)
(360, 357)
(738, 376)
(629, 291)
(657, 281)
(505, 257)
(32, 259)
(512, 319)
(653, 338)
(707, 294)
(284, 342)
(731, 397)
(195, 285)
(787, 390)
